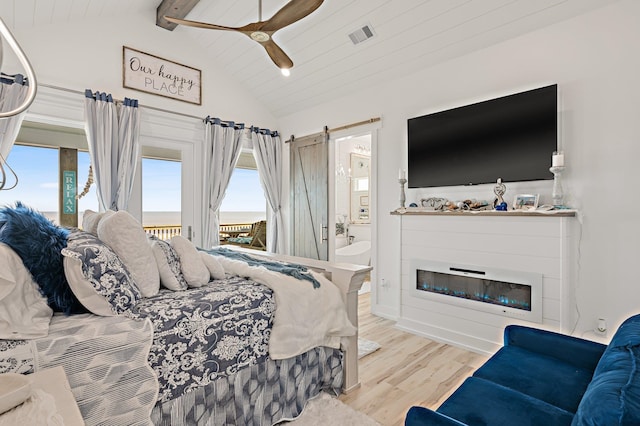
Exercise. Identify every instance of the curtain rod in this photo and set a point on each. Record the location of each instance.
(81, 92)
(335, 129)
(359, 123)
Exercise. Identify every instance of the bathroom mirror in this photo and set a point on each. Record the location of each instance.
(359, 188)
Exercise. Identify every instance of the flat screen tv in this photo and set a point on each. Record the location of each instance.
(512, 137)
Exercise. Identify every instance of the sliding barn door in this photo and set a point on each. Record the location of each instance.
(309, 199)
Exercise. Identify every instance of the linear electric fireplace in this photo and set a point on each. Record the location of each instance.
(514, 294)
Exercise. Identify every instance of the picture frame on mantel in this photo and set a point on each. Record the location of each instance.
(526, 202)
(152, 74)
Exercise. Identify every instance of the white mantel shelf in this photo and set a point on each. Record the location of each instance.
(511, 213)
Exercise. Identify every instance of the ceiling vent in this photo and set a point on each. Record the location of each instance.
(361, 34)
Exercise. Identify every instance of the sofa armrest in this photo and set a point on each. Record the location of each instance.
(572, 350)
(421, 416)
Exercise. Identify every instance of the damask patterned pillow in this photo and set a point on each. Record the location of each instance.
(97, 276)
(171, 275)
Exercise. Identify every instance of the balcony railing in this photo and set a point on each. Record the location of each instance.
(166, 232)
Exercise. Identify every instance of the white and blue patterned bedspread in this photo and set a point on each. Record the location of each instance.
(203, 334)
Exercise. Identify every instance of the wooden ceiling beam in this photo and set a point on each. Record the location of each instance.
(175, 9)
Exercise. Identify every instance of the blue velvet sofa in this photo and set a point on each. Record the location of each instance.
(543, 378)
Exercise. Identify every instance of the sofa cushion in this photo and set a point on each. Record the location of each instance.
(613, 396)
(582, 353)
(537, 375)
(628, 334)
(481, 402)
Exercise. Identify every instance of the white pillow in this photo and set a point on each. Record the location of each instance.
(216, 271)
(124, 234)
(191, 264)
(91, 219)
(168, 262)
(24, 313)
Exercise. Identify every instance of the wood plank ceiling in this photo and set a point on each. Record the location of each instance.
(409, 35)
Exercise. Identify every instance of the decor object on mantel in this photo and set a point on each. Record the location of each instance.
(545, 378)
(526, 202)
(499, 203)
(435, 203)
(453, 210)
(557, 167)
(262, 31)
(402, 179)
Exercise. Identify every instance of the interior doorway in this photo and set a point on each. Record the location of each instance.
(352, 198)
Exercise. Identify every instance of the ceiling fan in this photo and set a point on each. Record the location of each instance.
(262, 31)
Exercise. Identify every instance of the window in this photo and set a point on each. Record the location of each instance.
(37, 170)
(244, 200)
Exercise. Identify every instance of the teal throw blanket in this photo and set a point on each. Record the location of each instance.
(292, 269)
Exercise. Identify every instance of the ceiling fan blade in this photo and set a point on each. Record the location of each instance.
(277, 55)
(290, 13)
(199, 24)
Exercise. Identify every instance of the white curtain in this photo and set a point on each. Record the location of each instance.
(13, 91)
(267, 149)
(222, 148)
(128, 136)
(113, 147)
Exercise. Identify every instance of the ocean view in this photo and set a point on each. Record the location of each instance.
(173, 218)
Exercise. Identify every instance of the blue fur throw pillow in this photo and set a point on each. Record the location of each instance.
(39, 242)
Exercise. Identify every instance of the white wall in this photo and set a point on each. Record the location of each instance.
(79, 56)
(593, 59)
(83, 56)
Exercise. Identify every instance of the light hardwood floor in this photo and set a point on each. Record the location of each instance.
(407, 370)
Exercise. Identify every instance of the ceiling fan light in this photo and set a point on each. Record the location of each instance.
(285, 71)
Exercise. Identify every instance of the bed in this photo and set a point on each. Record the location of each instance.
(243, 347)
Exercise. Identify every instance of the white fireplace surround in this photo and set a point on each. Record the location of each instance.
(539, 244)
(531, 279)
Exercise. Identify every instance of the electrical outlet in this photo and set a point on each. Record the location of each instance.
(601, 327)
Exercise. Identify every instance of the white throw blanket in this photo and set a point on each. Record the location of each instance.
(305, 317)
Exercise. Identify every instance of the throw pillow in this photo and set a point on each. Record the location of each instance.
(39, 242)
(124, 234)
(91, 219)
(191, 264)
(24, 313)
(97, 276)
(168, 262)
(216, 271)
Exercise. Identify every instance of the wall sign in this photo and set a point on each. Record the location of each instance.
(69, 192)
(152, 74)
